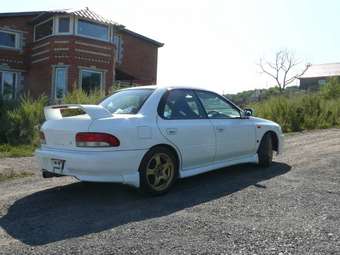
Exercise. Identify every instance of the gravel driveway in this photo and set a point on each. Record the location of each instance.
(291, 208)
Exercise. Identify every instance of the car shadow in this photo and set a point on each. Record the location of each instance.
(79, 209)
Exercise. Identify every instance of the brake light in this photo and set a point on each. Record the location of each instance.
(91, 139)
(42, 138)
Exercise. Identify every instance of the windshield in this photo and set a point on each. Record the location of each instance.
(126, 101)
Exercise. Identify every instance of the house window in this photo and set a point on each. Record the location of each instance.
(43, 30)
(322, 82)
(63, 25)
(60, 82)
(91, 80)
(93, 30)
(7, 85)
(118, 42)
(9, 39)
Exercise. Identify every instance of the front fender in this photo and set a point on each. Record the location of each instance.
(264, 126)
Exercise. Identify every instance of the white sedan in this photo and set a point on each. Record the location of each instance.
(150, 136)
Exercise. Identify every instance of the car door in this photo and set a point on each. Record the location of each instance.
(183, 122)
(235, 135)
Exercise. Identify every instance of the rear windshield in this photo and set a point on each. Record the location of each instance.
(126, 101)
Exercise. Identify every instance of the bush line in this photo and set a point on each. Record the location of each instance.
(21, 120)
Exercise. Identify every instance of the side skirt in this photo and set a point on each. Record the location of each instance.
(217, 165)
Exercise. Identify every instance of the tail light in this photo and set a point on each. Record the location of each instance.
(42, 138)
(91, 139)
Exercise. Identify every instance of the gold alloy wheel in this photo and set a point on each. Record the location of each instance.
(160, 171)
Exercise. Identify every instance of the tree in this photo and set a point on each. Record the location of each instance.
(284, 69)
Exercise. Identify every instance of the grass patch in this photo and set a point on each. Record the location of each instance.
(7, 150)
(10, 174)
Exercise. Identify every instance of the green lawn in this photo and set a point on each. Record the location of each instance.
(7, 150)
(13, 175)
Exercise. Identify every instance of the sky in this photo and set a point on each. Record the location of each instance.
(216, 44)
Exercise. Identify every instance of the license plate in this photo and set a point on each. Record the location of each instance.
(58, 165)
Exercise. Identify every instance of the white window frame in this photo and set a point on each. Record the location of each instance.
(65, 67)
(15, 82)
(17, 40)
(45, 21)
(57, 25)
(102, 76)
(92, 37)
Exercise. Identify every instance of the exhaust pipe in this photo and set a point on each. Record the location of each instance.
(47, 174)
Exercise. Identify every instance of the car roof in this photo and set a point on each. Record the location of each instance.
(176, 87)
(167, 87)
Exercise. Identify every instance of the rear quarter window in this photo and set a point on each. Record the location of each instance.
(127, 101)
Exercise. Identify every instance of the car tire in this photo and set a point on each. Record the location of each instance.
(265, 151)
(158, 171)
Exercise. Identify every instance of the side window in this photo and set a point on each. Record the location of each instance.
(216, 107)
(181, 104)
(63, 24)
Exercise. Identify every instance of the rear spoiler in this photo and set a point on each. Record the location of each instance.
(94, 111)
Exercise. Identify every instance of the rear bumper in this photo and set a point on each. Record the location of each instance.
(101, 166)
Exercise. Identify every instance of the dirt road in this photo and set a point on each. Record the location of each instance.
(291, 208)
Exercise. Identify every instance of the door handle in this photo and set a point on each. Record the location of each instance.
(220, 129)
(171, 131)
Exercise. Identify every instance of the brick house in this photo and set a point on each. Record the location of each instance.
(52, 52)
(317, 74)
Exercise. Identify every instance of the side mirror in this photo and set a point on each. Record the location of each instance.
(248, 112)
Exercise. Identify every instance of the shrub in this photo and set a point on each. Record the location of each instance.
(303, 112)
(5, 106)
(78, 96)
(20, 120)
(331, 90)
(281, 110)
(23, 121)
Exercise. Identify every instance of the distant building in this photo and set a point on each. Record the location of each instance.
(53, 52)
(317, 75)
